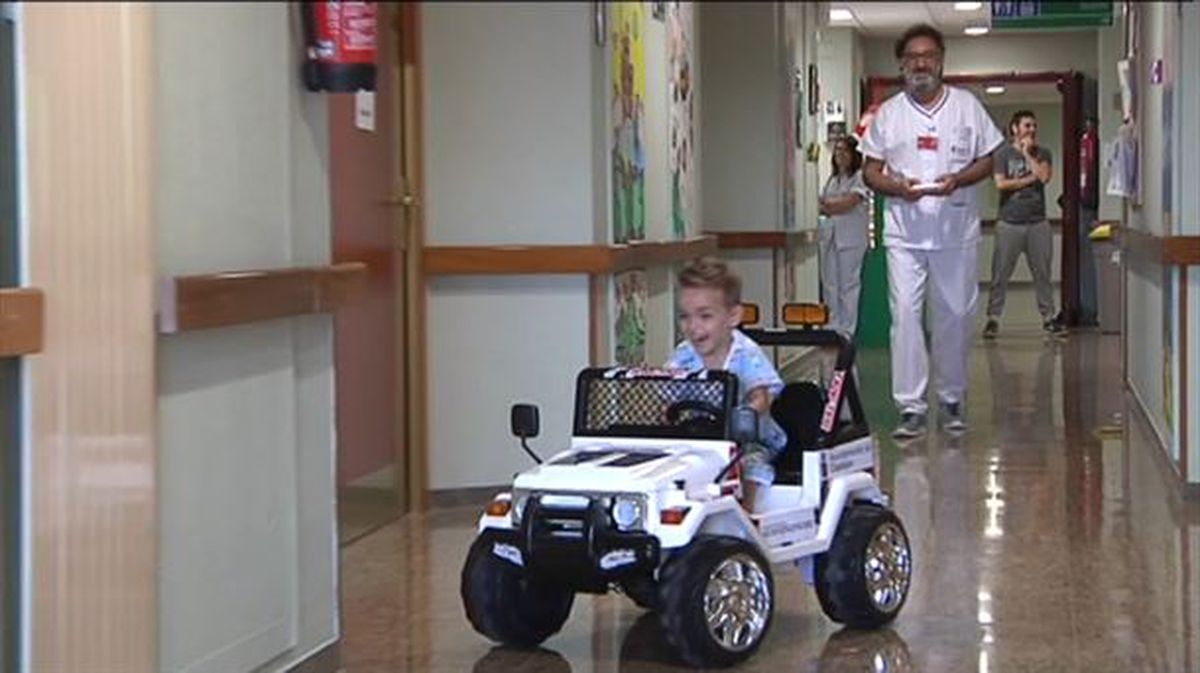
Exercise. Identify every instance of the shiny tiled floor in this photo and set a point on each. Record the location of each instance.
(1045, 539)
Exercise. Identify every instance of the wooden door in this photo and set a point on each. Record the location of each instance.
(368, 190)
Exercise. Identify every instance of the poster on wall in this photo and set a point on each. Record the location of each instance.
(630, 326)
(680, 95)
(628, 21)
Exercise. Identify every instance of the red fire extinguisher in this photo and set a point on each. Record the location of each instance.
(1089, 166)
(340, 40)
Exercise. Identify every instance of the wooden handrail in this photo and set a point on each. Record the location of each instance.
(442, 260)
(1166, 250)
(728, 240)
(22, 313)
(237, 297)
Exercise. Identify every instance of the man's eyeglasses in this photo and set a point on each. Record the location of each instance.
(926, 56)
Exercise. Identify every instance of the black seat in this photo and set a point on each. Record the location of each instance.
(797, 410)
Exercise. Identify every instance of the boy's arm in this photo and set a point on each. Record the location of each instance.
(760, 400)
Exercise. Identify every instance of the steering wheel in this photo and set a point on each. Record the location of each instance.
(704, 416)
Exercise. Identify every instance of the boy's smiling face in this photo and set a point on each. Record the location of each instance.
(708, 322)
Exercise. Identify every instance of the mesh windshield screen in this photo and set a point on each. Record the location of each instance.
(653, 403)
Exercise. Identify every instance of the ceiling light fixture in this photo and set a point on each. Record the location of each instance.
(976, 31)
(995, 89)
(840, 14)
(967, 6)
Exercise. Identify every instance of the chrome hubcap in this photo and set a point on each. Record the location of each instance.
(888, 567)
(737, 603)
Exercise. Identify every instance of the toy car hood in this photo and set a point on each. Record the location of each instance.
(625, 467)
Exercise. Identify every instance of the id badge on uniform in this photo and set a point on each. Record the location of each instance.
(928, 143)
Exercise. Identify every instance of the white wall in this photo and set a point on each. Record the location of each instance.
(1110, 48)
(1188, 215)
(838, 50)
(248, 571)
(995, 52)
(1153, 347)
(740, 148)
(1145, 279)
(511, 125)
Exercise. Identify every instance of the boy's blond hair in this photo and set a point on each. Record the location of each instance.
(710, 272)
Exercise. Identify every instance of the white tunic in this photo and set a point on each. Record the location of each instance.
(849, 229)
(925, 144)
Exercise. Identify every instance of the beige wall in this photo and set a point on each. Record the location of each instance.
(248, 570)
(91, 451)
(741, 147)
(515, 153)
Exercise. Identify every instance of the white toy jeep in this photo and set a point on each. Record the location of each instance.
(646, 502)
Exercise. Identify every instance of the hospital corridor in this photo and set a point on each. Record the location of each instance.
(598, 337)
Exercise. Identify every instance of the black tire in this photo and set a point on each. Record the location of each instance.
(683, 586)
(506, 605)
(643, 592)
(843, 588)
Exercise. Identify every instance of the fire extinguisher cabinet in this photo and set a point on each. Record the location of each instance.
(340, 46)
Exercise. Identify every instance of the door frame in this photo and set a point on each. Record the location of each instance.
(1070, 85)
(415, 382)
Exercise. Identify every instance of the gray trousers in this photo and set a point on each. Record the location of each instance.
(841, 285)
(1037, 242)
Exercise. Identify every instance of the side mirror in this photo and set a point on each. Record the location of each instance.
(744, 425)
(525, 420)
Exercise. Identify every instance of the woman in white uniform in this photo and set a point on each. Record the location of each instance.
(843, 235)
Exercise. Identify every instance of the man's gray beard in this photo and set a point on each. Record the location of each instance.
(922, 83)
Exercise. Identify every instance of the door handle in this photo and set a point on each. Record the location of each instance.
(406, 201)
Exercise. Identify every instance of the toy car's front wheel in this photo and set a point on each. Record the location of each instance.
(863, 580)
(716, 600)
(507, 605)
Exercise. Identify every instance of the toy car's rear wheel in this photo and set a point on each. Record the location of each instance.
(863, 580)
(507, 605)
(716, 600)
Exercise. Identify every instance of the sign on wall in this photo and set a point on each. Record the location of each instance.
(1026, 14)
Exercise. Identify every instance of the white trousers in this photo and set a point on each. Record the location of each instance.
(951, 278)
(841, 285)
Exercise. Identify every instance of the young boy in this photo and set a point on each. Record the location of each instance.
(711, 309)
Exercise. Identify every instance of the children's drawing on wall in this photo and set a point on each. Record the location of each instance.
(628, 102)
(632, 294)
(679, 56)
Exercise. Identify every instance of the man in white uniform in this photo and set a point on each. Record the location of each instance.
(926, 149)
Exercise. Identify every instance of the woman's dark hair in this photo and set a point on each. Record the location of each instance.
(920, 30)
(1016, 119)
(855, 156)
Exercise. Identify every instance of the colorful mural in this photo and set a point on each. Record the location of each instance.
(680, 95)
(628, 115)
(632, 294)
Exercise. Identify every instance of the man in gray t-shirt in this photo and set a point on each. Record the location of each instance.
(1023, 205)
(1021, 170)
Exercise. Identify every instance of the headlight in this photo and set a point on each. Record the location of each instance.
(519, 498)
(629, 512)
